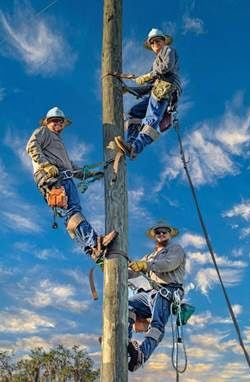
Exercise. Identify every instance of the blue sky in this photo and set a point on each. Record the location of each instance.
(54, 60)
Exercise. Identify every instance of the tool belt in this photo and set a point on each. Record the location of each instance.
(162, 89)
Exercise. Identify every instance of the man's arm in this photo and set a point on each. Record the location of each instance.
(165, 61)
(173, 258)
(34, 147)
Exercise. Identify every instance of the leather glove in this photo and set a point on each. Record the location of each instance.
(51, 170)
(139, 266)
(143, 79)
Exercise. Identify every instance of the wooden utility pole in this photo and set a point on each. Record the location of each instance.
(114, 367)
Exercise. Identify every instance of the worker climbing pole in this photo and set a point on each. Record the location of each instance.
(114, 365)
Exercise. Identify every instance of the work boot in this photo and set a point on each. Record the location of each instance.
(136, 356)
(127, 148)
(102, 244)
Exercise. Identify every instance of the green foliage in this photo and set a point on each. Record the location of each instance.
(56, 365)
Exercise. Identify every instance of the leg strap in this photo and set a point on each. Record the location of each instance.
(131, 315)
(131, 121)
(73, 223)
(154, 333)
(152, 133)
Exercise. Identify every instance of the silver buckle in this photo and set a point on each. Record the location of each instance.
(166, 293)
(67, 174)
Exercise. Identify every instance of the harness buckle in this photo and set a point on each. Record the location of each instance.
(67, 174)
(166, 293)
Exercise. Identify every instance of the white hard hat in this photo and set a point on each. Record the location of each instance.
(55, 112)
(157, 33)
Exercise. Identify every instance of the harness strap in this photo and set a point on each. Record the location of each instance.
(92, 283)
(118, 155)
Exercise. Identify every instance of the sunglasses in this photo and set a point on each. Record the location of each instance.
(156, 41)
(163, 231)
(56, 120)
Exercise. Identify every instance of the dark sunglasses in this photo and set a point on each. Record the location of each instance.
(164, 231)
(157, 41)
(56, 120)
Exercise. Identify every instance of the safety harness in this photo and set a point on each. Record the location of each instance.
(182, 311)
(55, 194)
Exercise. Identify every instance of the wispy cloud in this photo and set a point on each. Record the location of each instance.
(242, 209)
(17, 144)
(211, 150)
(193, 24)
(206, 278)
(136, 199)
(207, 318)
(23, 320)
(35, 42)
(40, 253)
(20, 223)
(57, 295)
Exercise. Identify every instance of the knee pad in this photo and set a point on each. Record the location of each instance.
(73, 223)
(155, 333)
(152, 133)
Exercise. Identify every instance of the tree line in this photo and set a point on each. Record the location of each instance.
(57, 365)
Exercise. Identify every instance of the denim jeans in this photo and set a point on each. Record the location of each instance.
(85, 234)
(149, 305)
(151, 112)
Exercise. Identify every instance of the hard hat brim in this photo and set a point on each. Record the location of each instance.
(151, 231)
(168, 41)
(43, 121)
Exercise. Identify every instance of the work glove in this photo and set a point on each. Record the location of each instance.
(143, 79)
(51, 170)
(139, 266)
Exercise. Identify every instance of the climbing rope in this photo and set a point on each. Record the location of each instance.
(209, 245)
(177, 336)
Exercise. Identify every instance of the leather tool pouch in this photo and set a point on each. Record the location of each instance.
(57, 197)
(162, 89)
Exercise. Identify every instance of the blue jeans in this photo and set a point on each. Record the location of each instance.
(151, 112)
(85, 234)
(149, 305)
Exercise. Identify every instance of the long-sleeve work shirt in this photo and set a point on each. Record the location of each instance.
(166, 266)
(46, 147)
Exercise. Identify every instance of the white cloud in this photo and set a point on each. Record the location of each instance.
(6, 189)
(78, 150)
(36, 43)
(56, 295)
(136, 199)
(23, 321)
(17, 145)
(206, 318)
(242, 209)
(206, 278)
(211, 150)
(205, 258)
(244, 232)
(20, 223)
(189, 239)
(191, 24)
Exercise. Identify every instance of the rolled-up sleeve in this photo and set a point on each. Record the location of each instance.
(171, 259)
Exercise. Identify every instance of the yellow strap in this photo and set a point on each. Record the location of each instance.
(118, 155)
